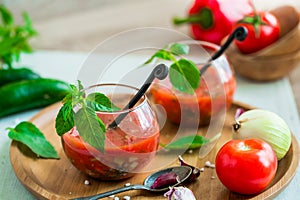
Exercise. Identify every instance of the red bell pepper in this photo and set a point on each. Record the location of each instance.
(212, 20)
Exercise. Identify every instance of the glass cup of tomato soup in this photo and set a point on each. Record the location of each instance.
(213, 96)
(129, 147)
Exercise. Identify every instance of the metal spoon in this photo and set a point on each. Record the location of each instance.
(182, 172)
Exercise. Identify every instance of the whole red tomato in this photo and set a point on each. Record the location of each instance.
(263, 30)
(246, 166)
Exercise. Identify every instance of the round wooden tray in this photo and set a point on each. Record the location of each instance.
(58, 179)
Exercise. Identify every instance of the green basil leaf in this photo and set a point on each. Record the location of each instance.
(184, 76)
(28, 23)
(80, 86)
(68, 98)
(187, 142)
(179, 49)
(64, 120)
(76, 95)
(7, 17)
(14, 38)
(99, 102)
(73, 88)
(162, 54)
(90, 127)
(28, 134)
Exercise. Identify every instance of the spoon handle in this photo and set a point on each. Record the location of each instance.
(112, 192)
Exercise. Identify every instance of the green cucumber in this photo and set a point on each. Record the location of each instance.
(16, 74)
(28, 94)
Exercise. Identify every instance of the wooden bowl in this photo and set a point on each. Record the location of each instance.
(264, 68)
(271, 63)
(276, 60)
(287, 44)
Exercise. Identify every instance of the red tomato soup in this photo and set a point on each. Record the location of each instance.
(128, 148)
(213, 94)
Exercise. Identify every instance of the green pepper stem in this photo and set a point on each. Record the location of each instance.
(203, 17)
(190, 19)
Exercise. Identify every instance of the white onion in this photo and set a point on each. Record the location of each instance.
(264, 125)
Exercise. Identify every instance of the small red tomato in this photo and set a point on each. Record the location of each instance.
(246, 166)
(263, 30)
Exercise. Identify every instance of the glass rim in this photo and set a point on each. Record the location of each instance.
(201, 42)
(204, 45)
(143, 99)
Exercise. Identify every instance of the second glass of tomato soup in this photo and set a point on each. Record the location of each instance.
(128, 148)
(210, 100)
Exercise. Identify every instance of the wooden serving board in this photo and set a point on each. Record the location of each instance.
(58, 179)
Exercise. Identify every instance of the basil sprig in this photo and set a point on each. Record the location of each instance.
(190, 142)
(89, 126)
(14, 39)
(184, 74)
(28, 134)
(187, 142)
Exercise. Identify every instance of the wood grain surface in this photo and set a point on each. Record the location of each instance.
(58, 179)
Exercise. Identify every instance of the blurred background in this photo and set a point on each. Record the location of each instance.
(80, 25)
(77, 25)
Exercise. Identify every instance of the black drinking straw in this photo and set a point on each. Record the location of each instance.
(160, 72)
(240, 33)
